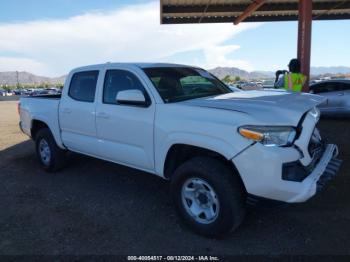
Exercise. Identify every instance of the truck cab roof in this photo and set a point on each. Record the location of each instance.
(136, 64)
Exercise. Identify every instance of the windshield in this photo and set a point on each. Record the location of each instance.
(176, 84)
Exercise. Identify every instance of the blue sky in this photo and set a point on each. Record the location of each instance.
(51, 37)
(25, 10)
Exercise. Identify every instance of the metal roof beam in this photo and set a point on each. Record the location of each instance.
(268, 7)
(228, 19)
(250, 9)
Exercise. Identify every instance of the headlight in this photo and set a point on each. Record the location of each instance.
(315, 112)
(269, 135)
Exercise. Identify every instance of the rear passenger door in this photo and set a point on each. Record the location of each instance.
(344, 97)
(328, 90)
(334, 94)
(77, 113)
(125, 132)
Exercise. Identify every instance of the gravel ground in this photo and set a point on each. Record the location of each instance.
(95, 207)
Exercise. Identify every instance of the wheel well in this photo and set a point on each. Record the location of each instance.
(180, 153)
(36, 126)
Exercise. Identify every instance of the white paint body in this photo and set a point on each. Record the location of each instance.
(140, 137)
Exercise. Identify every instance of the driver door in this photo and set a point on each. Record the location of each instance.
(125, 132)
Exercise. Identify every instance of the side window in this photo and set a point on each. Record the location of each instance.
(325, 87)
(83, 86)
(346, 87)
(333, 87)
(120, 80)
(337, 87)
(317, 88)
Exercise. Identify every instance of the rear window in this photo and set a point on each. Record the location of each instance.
(83, 86)
(326, 87)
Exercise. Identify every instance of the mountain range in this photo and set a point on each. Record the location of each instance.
(11, 78)
(221, 72)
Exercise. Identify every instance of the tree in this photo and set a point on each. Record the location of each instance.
(237, 78)
(227, 78)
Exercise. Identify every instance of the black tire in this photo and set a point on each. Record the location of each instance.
(227, 186)
(57, 155)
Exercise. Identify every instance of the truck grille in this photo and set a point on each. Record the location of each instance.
(316, 143)
(295, 171)
(316, 148)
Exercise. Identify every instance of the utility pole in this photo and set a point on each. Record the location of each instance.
(17, 76)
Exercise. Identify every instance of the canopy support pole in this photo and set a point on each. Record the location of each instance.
(304, 38)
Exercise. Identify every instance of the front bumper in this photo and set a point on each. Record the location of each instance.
(261, 167)
(324, 171)
(289, 174)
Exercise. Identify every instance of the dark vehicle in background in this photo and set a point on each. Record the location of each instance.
(17, 92)
(337, 93)
(46, 91)
(31, 92)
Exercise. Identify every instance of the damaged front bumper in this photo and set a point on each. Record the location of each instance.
(289, 174)
(263, 177)
(327, 168)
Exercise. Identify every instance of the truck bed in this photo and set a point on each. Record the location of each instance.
(42, 108)
(44, 96)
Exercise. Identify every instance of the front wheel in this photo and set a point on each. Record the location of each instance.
(208, 196)
(50, 156)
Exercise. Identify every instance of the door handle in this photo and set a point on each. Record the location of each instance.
(67, 110)
(102, 115)
(340, 94)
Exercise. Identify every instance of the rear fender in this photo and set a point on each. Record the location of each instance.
(55, 131)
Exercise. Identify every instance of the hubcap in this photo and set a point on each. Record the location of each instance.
(45, 153)
(200, 200)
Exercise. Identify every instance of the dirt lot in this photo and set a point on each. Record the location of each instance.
(94, 207)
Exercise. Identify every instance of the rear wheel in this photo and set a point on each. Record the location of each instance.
(208, 196)
(50, 156)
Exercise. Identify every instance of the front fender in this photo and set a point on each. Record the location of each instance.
(228, 149)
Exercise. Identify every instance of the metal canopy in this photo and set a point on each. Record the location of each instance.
(236, 11)
(227, 11)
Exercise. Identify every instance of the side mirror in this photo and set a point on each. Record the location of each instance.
(131, 97)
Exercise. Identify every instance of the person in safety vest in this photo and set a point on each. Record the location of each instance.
(294, 80)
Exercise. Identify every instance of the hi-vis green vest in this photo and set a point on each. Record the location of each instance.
(294, 81)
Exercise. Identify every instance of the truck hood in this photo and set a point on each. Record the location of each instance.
(269, 107)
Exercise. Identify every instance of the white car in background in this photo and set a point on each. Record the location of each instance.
(337, 93)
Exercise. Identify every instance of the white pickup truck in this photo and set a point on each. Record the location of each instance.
(218, 148)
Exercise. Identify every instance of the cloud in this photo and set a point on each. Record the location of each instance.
(219, 56)
(20, 64)
(132, 33)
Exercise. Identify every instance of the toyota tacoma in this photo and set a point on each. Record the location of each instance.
(218, 148)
